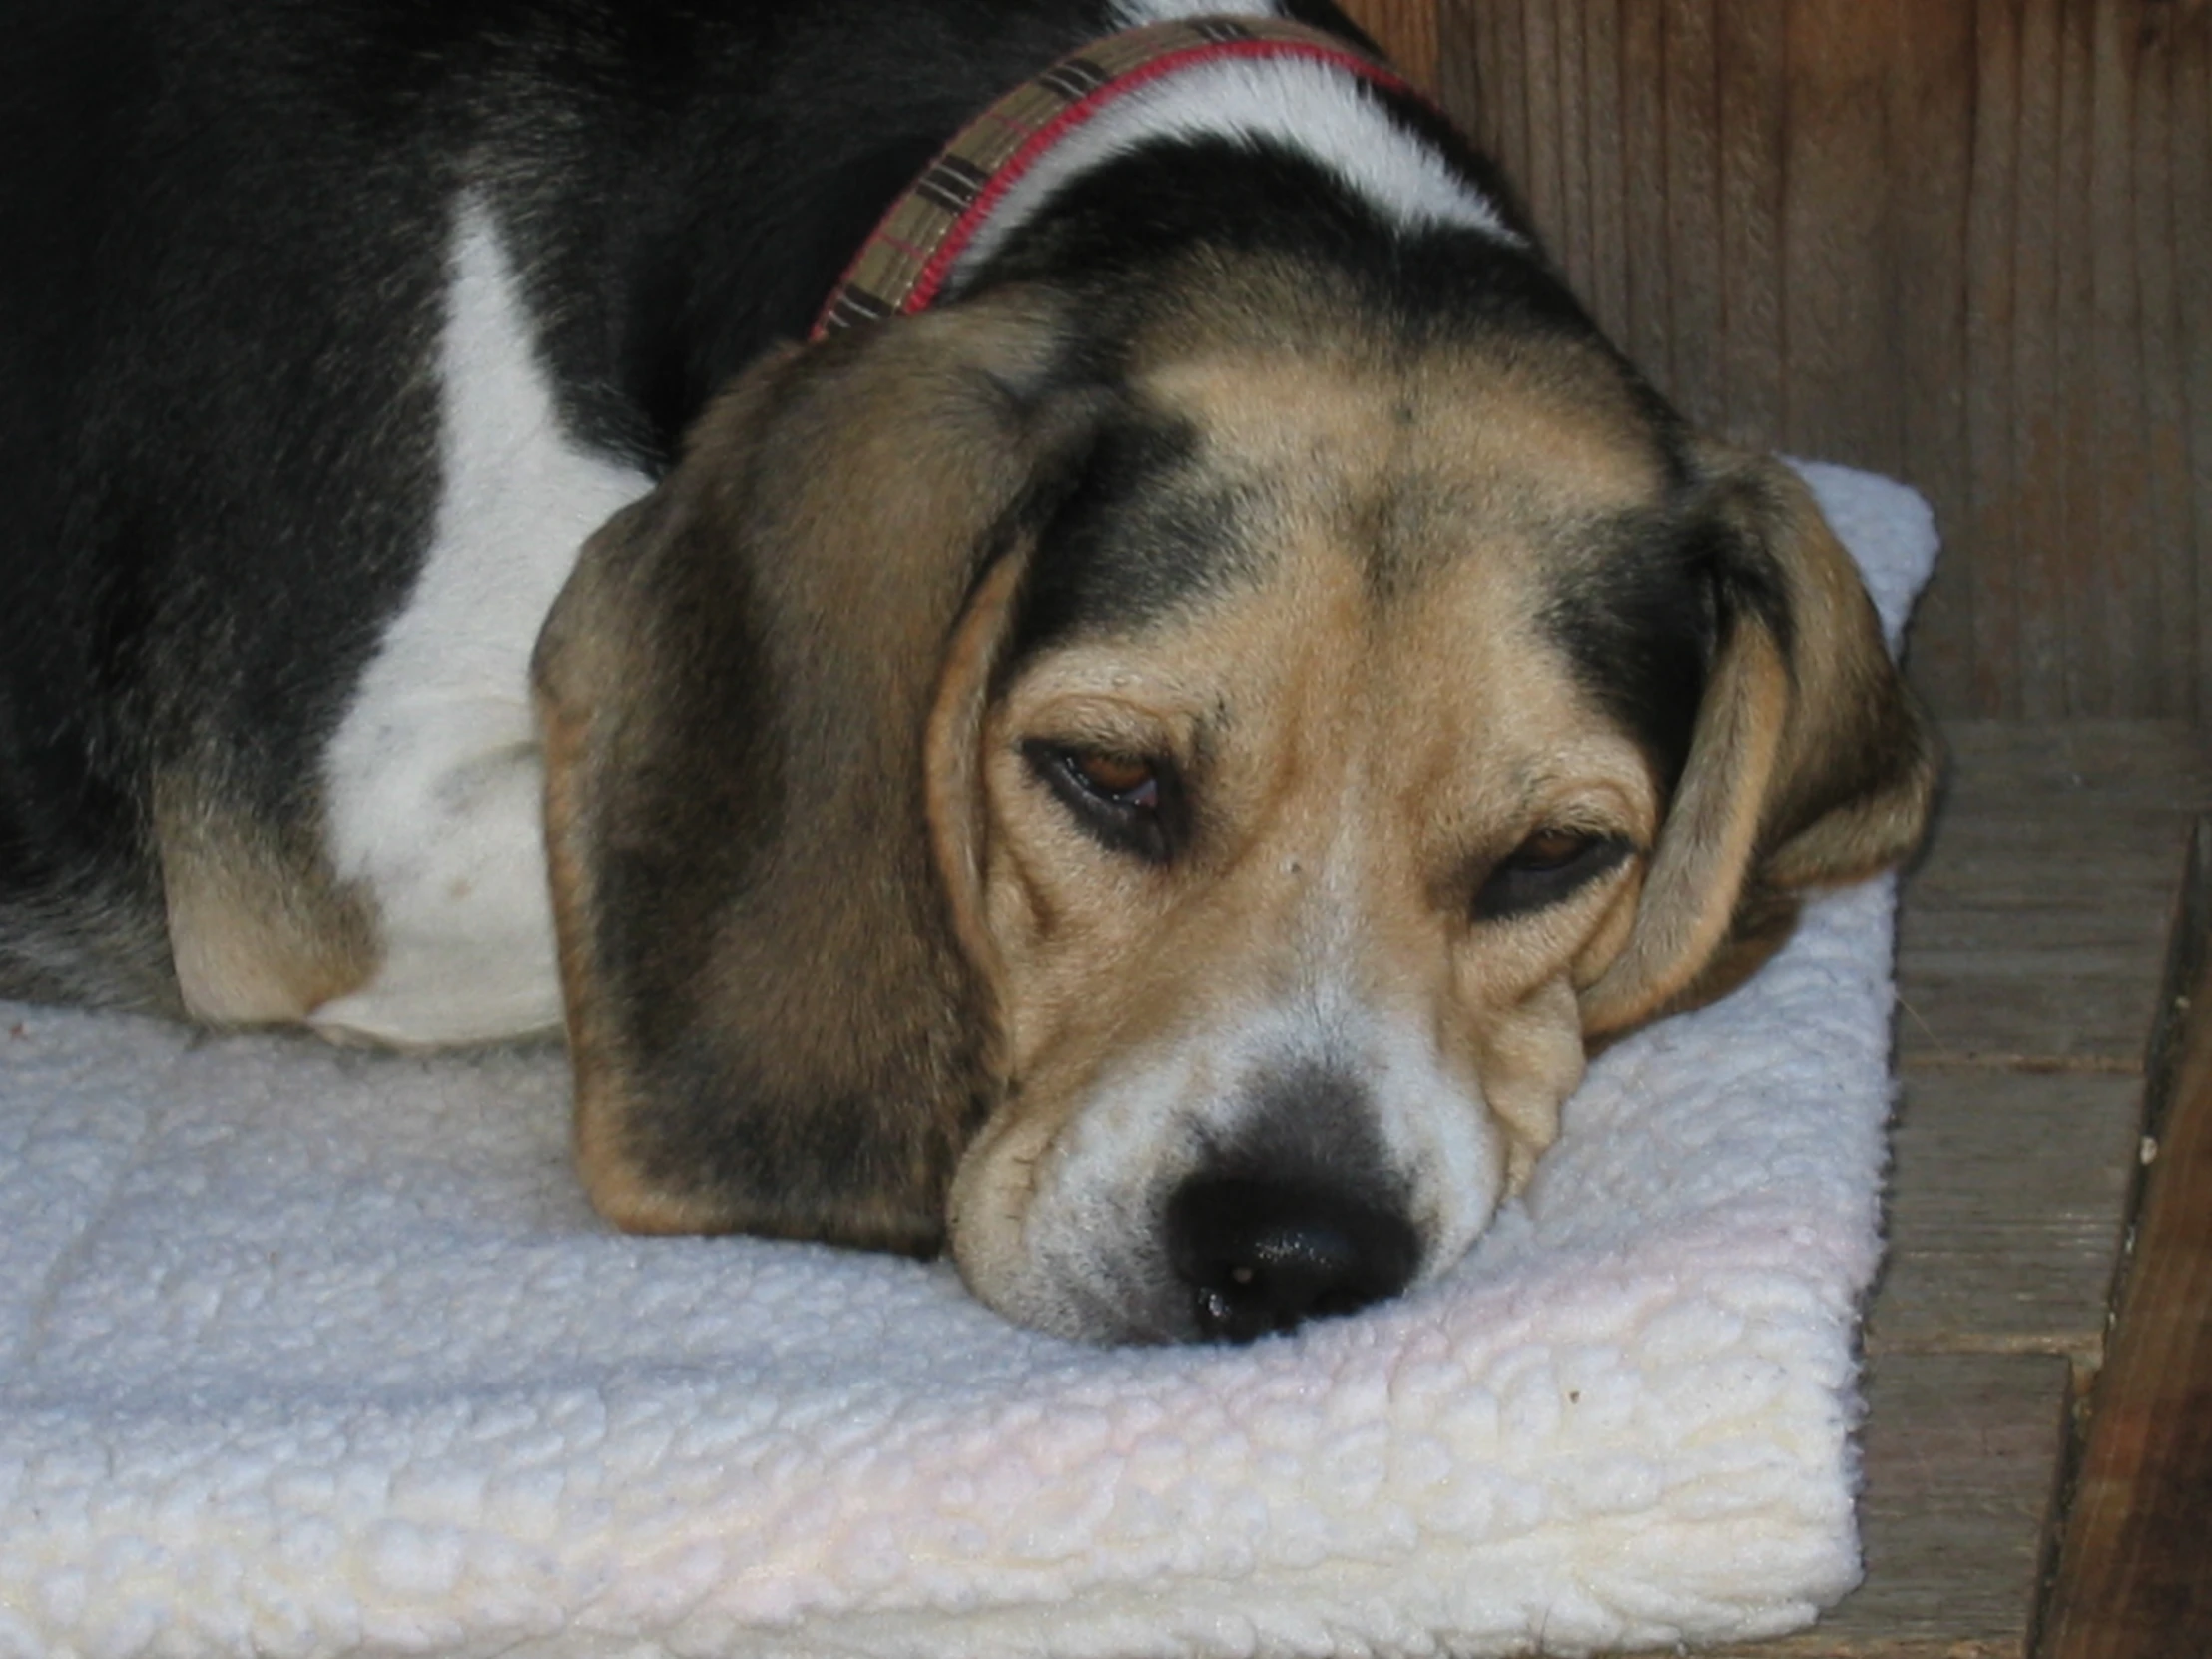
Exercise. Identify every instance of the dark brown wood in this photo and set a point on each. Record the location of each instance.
(1836, 340)
(1605, 142)
(2183, 401)
(1932, 81)
(2033, 938)
(2132, 1580)
(1752, 112)
(1691, 255)
(2007, 1210)
(1405, 29)
(2028, 976)
(1650, 315)
(1959, 240)
(1971, 579)
(2033, 929)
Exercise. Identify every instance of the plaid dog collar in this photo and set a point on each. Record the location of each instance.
(905, 263)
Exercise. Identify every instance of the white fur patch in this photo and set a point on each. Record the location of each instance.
(1311, 108)
(1135, 14)
(433, 779)
(1086, 1240)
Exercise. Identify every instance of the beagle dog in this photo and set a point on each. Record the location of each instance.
(1149, 767)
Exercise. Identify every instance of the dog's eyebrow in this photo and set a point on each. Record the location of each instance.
(1147, 533)
(1636, 620)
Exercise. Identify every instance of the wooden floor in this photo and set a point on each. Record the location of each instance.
(2031, 955)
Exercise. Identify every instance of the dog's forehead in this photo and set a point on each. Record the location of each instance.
(1353, 546)
(1538, 432)
(1248, 466)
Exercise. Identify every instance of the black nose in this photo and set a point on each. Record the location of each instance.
(1266, 1256)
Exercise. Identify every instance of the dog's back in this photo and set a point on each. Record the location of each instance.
(234, 232)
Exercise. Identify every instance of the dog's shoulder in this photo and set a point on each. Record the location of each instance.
(287, 284)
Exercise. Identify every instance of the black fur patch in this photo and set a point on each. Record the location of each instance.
(227, 225)
(1146, 533)
(1309, 1125)
(1644, 617)
(1117, 231)
(1639, 622)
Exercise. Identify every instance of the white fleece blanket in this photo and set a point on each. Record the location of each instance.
(308, 1352)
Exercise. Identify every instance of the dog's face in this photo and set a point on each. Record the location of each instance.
(1182, 831)
(1299, 838)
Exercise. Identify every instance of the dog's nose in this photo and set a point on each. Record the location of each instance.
(1266, 1256)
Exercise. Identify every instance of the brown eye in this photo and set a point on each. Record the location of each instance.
(1130, 804)
(1550, 849)
(1551, 866)
(1119, 777)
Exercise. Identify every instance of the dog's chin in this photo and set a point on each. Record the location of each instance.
(1100, 1303)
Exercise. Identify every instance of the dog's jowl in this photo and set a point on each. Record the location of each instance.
(1134, 723)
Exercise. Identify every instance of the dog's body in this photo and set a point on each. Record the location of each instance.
(1170, 755)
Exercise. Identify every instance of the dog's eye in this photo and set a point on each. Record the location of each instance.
(1128, 802)
(1545, 868)
(1550, 849)
(1121, 779)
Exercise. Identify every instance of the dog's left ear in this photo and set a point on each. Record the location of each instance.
(771, 1021)
(1809, 762)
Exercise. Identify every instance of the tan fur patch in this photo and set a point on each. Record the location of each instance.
(1362, 732)
(262, 933)
(770, 1014)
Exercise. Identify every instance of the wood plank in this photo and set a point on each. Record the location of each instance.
(1690, 102)
(2122, 591)
(1572, 239)
(1540, 168)
(1650, 331)
(2007, 1206)
(1930, 125)
(2168, 297)
(1950, 239)
(1992, 306)
(2189, 139)
(2132, 1582)
(2038, 343)
(1962, 1455)
(1405, 29)
(2066, 430)
(2033, 928)
(1838, 359)
(1606, 142)
(1507, 83)
(1753, 94)
(1467, 51)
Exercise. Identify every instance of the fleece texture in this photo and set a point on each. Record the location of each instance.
(311, 1351)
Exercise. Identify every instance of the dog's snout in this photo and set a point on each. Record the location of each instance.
(1265, 1256)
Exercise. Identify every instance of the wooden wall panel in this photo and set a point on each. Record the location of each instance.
(1964, 242)
(1405, 29)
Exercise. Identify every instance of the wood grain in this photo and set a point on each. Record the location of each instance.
(1929, 77)
(2033, 929)
(2008, 1208)
(1959, 240)
(2030, 942)
(2132, 1582)
(1405, 29)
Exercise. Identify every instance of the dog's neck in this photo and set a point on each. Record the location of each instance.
(1249, 78)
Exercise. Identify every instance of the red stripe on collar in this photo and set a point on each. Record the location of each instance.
(907, 258)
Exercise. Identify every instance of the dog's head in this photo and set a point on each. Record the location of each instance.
(1173, 819)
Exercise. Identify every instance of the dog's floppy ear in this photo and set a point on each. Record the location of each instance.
(1810, 763)
(772, 1025)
